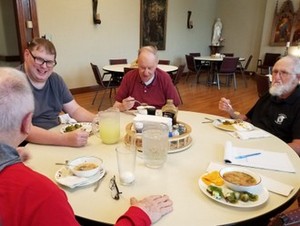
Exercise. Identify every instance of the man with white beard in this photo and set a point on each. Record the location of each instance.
(278, 111)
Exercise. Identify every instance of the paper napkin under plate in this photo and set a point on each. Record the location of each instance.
(278, 161)
(253, 134)
(66, 119)
(270, 184)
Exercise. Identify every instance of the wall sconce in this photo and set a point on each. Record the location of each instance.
(189, 21)
(96, 16)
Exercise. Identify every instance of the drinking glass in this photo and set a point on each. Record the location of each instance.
(155, 144)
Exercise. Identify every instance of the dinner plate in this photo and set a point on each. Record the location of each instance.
(232, 125)
(64, 176)
(263, 196)
(87, 126)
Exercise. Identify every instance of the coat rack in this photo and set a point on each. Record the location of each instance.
(96, 16)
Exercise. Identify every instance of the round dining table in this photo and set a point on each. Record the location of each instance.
(120, 67)
(178, 178)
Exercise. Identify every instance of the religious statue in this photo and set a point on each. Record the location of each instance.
(217, 33)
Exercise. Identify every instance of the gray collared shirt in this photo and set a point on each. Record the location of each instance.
(8, 156)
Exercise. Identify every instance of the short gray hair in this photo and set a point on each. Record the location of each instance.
(150, 49)
(16, 99)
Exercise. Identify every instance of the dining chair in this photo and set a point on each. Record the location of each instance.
(117, 76)
(127, 69)
(118, 61)
(228, 54)
(262, 84)
(200, 64)
(243, 69)
(177, 78)
(228, 68)
(103, 83)
(166, 62)
(268, 62)
(192, 69)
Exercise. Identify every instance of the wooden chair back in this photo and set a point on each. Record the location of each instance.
(118, 61)
(262, 84)
(165, 62)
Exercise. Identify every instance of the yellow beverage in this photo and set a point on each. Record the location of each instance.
(109, 130)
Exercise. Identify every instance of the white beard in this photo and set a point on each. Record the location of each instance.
(280, 89)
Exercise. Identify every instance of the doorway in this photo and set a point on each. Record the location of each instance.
(18, 26)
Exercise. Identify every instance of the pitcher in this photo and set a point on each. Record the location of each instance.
(106, 125)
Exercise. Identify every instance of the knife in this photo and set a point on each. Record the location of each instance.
(99, 182)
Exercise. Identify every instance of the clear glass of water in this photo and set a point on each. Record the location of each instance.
(155, 144)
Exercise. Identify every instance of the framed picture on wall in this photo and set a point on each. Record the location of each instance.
(153, 23)
(286, 25)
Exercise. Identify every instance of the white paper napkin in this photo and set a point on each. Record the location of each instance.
(253, 134)
(72, 181)
(270, 184)
(65, 118)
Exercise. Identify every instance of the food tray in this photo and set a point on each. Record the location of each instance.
(177, 143)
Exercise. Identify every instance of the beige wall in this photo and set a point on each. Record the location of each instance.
(80, 42)
(242, 27)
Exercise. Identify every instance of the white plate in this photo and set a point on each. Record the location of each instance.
(87, 126)
(240, 126)
(262, 197)
(64, 176)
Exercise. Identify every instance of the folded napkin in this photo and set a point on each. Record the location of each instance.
(270, 184)
(72, 181)
(66, 119)
(253, 134)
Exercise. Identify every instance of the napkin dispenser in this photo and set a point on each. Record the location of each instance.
(153, 118)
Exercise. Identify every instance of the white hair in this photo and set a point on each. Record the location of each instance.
(16, 99)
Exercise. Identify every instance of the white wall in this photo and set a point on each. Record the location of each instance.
(79, 41)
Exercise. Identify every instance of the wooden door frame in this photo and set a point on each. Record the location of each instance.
(25, 10)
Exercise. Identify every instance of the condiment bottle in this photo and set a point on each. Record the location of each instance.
(170, 110)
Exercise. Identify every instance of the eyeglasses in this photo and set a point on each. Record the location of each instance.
(41, 61)
(281, 73)
(115, 193)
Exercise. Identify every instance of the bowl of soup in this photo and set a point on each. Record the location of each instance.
(241, 179)
(85, 166)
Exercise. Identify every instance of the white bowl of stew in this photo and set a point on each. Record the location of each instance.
(241, 179)
(85, 166)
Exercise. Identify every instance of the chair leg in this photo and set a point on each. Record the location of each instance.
(102, 99)
(218, 81)
(198, 76)
(179, 95)
(187, 75)
(96, 94)
(234, 81)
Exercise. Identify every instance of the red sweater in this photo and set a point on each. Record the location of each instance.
(29, 198)
(134, 217)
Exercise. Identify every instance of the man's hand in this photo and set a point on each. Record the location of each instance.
(128, 103)
(154, 206)
(76, 138)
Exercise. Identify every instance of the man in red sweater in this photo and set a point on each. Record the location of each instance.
(29, 198)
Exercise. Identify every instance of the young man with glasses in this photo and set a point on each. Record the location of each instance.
(278, 111)
(52, 97)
